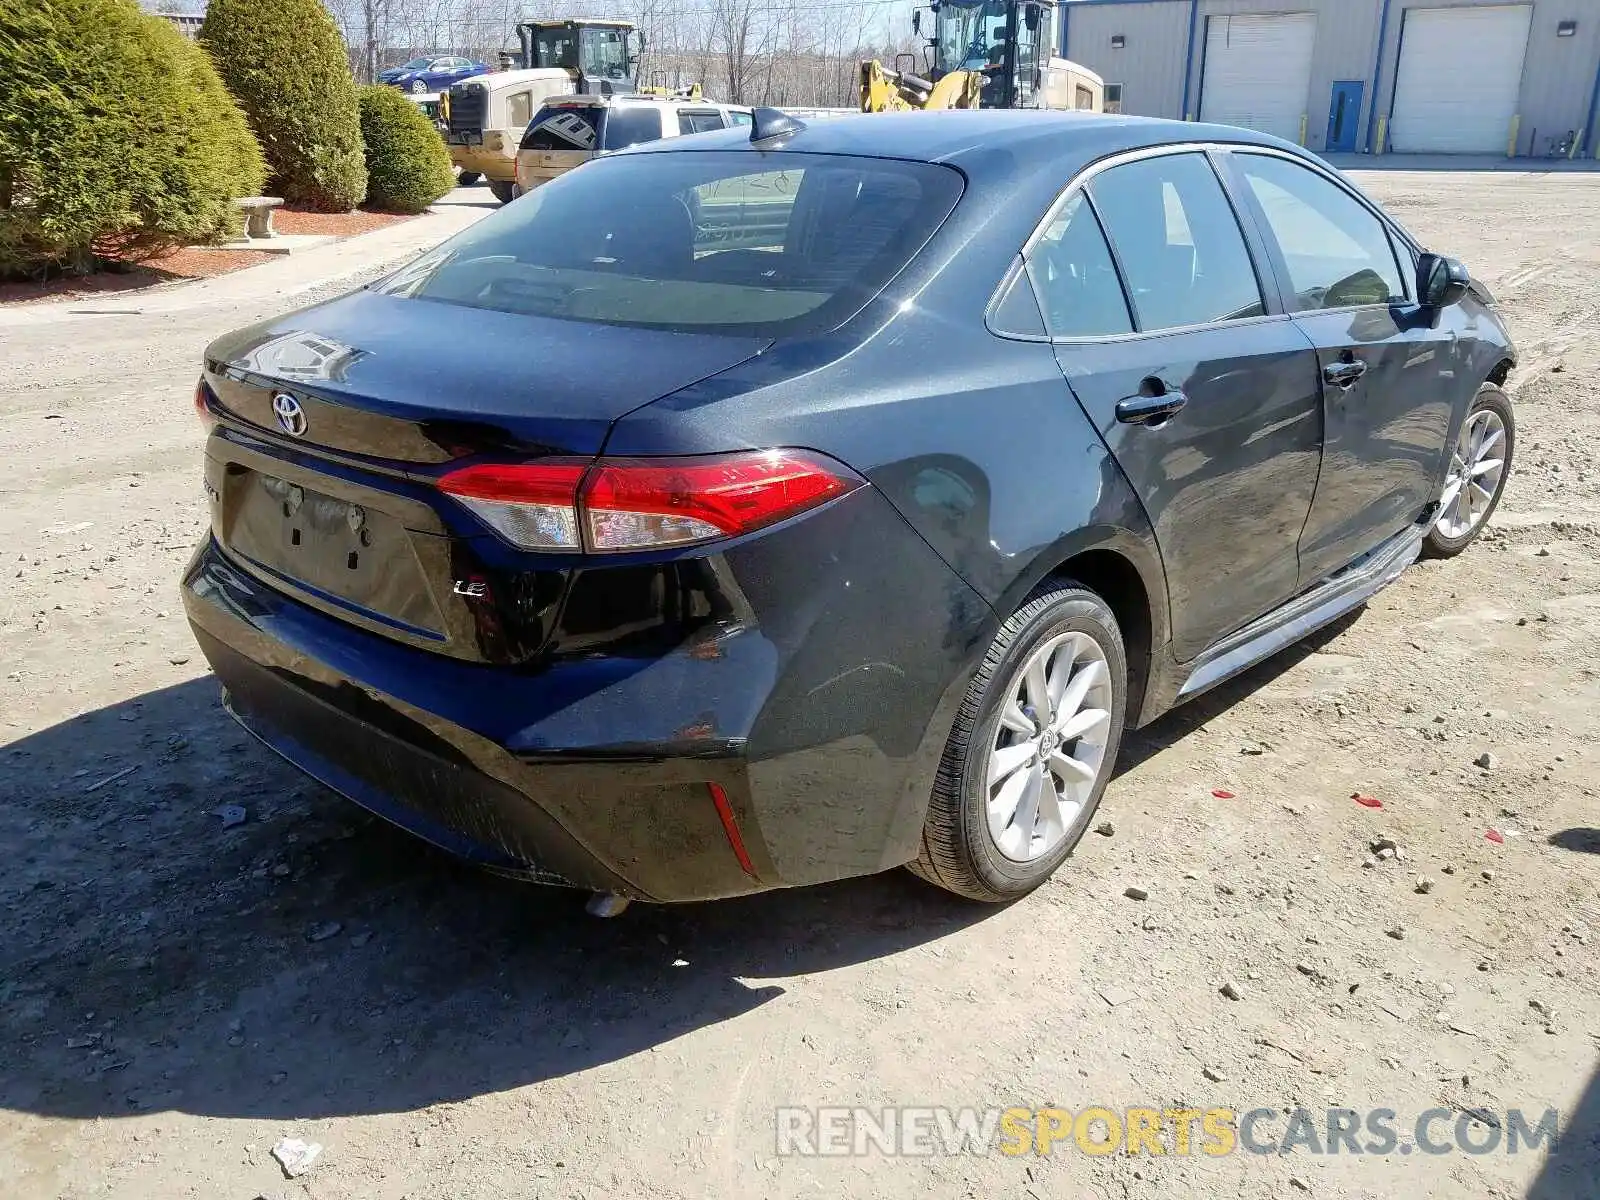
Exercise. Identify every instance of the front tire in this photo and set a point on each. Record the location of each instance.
(1031, 751)
(504, 190)
(1480, 464)
(468, 178)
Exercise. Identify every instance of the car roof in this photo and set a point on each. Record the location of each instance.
(1032, 136)
(503, 79)
(640, 98)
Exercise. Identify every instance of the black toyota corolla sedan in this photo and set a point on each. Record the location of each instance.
(792, 503)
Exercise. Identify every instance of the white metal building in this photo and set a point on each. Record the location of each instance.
(1518, 77)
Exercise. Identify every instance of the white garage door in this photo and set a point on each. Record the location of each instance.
(1459, 77)
(1258, 71)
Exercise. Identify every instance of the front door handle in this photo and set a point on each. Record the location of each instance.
(1344, 374)
(1148, 409)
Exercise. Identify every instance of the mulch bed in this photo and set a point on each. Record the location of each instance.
(197, 262)
(294, 220)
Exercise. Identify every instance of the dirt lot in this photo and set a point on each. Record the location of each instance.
(176, 996)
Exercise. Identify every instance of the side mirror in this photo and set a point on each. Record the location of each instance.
(1442, 281)
(916, 20)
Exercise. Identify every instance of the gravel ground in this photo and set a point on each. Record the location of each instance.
(177, 995)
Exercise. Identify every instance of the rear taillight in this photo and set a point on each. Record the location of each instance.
(646, 504)
(202, 404)
(532, 505)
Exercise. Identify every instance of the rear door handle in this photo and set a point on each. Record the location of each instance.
(1151, 409)
(1344, 374)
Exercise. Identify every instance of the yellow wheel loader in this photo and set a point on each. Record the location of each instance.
(984, 54)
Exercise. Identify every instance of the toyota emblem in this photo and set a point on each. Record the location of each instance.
(289, 413)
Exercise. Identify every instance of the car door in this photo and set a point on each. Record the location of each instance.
(1387, 373)
(1204, 393)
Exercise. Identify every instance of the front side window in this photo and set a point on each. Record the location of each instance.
(740, 118)
(555, 47)
(1178, 242)
(695, 242)
(1074, 277)
(603, 54)
(969, 35)
(1113, 97)
(1338, 253)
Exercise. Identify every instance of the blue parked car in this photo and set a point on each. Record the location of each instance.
(431, 74)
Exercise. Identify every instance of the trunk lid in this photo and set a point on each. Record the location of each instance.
(334, 423)
(424, 381)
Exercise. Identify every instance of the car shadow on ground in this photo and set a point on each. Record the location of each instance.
(1583, 841)
(313, 961)
(1572, 1171)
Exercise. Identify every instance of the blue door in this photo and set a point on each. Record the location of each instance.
(1344, 116)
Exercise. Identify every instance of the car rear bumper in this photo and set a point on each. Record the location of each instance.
(796, 749)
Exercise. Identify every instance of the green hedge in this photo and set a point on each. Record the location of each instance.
(285, 63)
(408, 167)
(116, 137)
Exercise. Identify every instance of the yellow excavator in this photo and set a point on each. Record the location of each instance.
(984, 54)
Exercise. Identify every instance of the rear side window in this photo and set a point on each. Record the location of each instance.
(1337, 252)
(564, 128)
(711, 241)
(626, 127)
(1074, 277)
(740, 118)
(699, 122)
(1178, 242)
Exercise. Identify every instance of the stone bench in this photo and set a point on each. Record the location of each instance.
(258, 214)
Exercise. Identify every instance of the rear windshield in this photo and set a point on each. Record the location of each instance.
(591, 127)
(728, 242)
(564, 128)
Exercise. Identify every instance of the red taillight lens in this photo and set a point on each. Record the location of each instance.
(532, 505)
(646, 504)
(202, 404)
(640, 504)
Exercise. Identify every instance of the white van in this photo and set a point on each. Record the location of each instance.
(570, 130)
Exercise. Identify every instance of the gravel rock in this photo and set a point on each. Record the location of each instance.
(1424, 885)
(296, 1157)
(1136, 893)
(1231, 991)
(1487, 761)
(1106, 829)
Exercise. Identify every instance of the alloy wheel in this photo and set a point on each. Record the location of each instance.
(1477, 465)
(1050, 746)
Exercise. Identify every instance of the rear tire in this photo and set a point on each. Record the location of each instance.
(468, 178)
(970, 845)
(1474, 485)
(504, 190)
